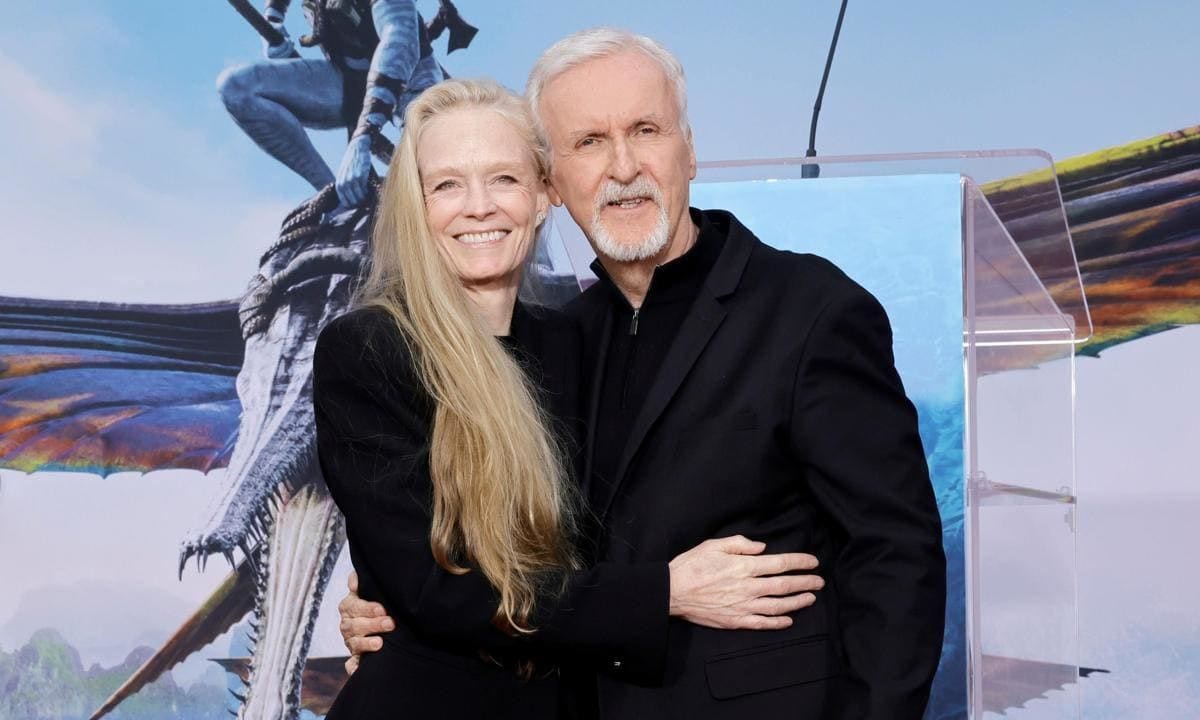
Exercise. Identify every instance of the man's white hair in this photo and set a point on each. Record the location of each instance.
(593, 44)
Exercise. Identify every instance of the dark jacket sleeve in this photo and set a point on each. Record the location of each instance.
(857, 434)
(372, 440)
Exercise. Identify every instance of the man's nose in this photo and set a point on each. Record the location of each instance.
(623, 165)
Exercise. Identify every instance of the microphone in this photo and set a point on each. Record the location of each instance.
(812, 170)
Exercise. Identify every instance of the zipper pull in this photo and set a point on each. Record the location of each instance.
(633, 321)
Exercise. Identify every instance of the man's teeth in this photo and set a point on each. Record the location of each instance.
(483, 237)
(626, 204)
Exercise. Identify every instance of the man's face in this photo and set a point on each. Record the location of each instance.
(621, 163)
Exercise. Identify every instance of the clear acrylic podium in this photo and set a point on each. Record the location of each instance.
(1007, 489)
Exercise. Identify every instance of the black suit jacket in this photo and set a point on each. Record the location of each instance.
(778, 414)
(373, 420)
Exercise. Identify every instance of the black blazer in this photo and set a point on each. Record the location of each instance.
(778, 414)
(373, 419)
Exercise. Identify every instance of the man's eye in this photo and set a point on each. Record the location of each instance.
(587, 142)
(647, 130)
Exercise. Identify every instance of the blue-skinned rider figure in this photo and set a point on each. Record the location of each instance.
(377, 58)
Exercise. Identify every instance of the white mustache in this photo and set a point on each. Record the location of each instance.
(641, 187)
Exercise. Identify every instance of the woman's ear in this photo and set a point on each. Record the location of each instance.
(543, 203)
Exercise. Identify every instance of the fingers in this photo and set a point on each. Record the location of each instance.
(360, 645)
(770, 613)
(780, 605)
(780, 585)
(737, 545)
(352, 582)
(353, 606)
(351, 626)
(351, 664)
(781, 563)
(760, 622)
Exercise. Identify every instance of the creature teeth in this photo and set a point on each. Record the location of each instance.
(250, 558)
(183, 558)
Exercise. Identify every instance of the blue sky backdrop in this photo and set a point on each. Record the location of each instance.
(112, 131)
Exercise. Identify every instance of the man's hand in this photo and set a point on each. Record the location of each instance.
(361, 622)
(726, 584)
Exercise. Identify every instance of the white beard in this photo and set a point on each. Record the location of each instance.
(650, 245)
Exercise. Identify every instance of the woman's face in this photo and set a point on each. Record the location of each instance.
(482, 194)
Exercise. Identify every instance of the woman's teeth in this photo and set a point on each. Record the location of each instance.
(481, 238)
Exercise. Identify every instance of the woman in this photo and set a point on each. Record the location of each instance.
(438, 404)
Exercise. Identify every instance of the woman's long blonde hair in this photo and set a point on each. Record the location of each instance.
(501, 501)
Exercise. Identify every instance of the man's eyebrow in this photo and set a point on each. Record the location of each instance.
(651, 119)
(580, 134)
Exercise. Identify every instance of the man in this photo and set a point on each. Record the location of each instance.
(377, 58)
(737, 389)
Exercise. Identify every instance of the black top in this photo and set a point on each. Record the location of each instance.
(776, 412)
(373, 421)
(639, 341)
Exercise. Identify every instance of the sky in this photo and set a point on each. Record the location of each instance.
(111, 124)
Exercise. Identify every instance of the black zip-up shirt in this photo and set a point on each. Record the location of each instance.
(639, 343)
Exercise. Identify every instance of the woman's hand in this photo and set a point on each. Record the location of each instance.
(361, 622)
(727, 584)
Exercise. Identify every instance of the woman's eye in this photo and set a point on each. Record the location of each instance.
(443, 185)
(506, 179)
